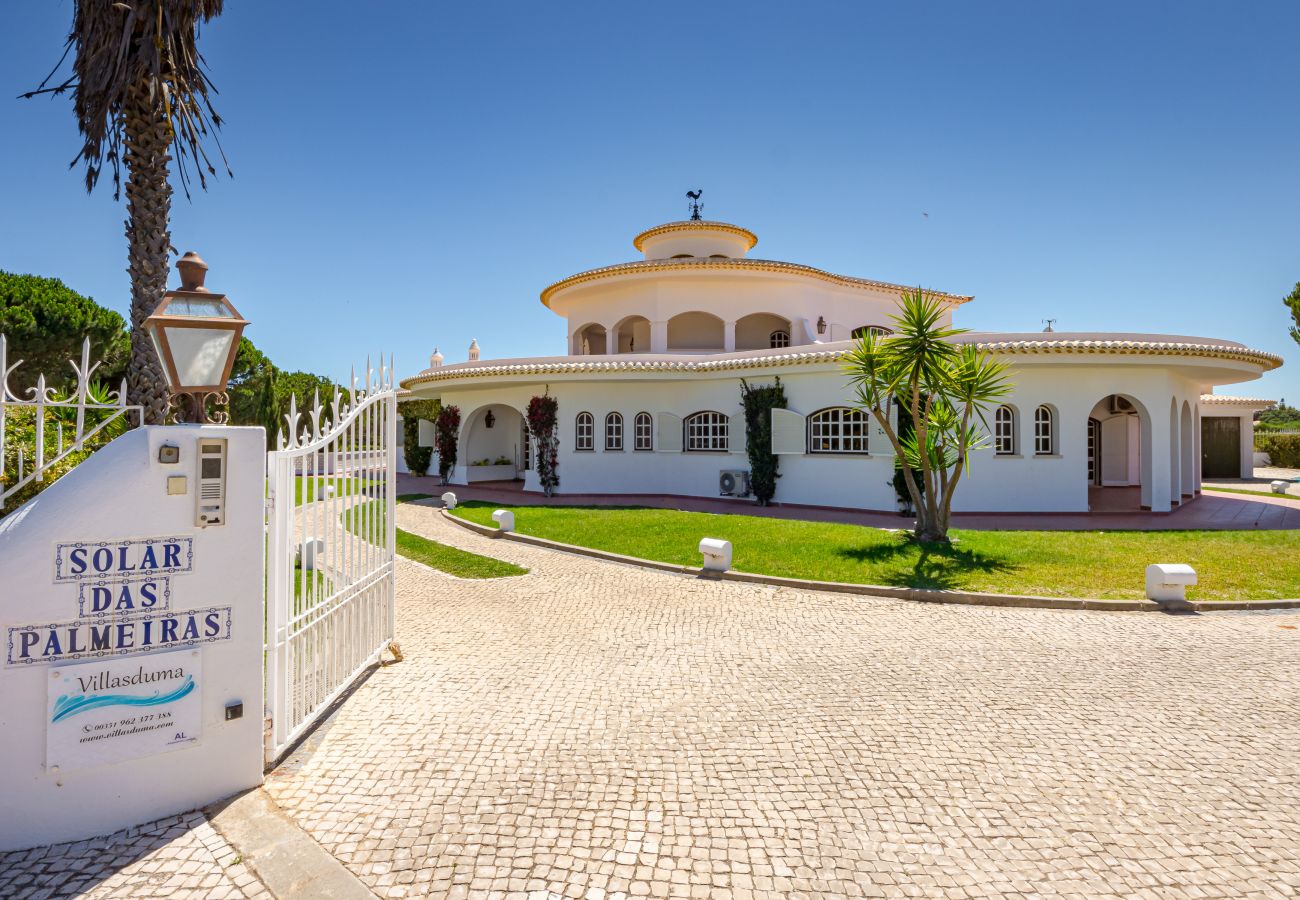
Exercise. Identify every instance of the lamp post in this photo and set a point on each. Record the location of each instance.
(196, 335)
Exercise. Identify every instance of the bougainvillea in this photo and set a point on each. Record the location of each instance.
(445, 429)
(542, 414)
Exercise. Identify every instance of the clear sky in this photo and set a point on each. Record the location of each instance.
(413, 173)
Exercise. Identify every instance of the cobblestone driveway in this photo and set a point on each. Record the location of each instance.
(593, 730)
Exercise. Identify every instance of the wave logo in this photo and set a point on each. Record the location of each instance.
(68, 706)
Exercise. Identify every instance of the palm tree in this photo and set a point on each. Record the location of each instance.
(946, 387)
(140, 90)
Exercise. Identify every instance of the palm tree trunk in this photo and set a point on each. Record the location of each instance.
(148, 205)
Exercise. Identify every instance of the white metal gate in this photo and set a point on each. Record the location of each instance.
(331, 536)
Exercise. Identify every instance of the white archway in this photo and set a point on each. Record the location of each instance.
(1188, 443)
(1119, 454)
(633, 335)
(696, 331)
(754, 332)
(589, 340)
(493, 433)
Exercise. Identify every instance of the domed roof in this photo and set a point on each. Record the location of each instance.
(697, 226)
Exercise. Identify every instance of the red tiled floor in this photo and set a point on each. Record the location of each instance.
(1208, 511)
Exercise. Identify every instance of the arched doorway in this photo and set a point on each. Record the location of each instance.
(1188, 442)
(1119, 455)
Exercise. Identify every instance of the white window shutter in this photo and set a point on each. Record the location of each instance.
(787, 431)
(877, 443)
(736, 437)
(426, 433)
(668, 433)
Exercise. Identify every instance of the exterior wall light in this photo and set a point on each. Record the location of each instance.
(821, 324)
(196, 336)
(490, 419)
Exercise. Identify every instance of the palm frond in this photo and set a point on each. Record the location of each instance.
(124, 52)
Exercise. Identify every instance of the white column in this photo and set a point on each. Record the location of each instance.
(611, 340)
(1196, 445)
(659, 337)
(1248, 445)
(1156, 457)
(729, 337)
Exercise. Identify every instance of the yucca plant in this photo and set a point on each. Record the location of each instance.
(140, 92)
(945, 386)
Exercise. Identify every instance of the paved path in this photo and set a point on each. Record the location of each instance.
(1209, 511)
(594, 730)
(182, 856)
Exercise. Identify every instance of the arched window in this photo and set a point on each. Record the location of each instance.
(643, 426)
(838, 430)
(683, 256)
(1004, 431)
(707, 432)
(614, 431)
(779, 338)
(878, 330)
(1044, 431)
(586, 432)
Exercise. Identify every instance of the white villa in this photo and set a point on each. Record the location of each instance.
(649, 392)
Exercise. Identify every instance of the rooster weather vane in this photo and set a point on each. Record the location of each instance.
(696, 206)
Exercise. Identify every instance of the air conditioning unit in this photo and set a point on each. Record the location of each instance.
(733, 483)
(1119, 405)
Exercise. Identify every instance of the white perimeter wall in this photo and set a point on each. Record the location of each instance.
(118, 493)
(1024, 483)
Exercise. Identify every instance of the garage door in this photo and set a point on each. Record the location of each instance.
(1220, 447)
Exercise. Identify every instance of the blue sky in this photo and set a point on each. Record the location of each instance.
(410, 173)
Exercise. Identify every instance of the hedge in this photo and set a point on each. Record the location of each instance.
(1283, 449)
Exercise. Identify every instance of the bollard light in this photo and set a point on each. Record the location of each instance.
(716, 553)
(196, 336)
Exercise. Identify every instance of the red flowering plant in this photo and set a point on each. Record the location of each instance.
(445, 429)
(542, 414)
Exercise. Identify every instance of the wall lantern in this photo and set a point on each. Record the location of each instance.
(821, 324)
(490, 419)
(196, 336)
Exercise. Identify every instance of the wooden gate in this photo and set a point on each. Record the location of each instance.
(331, 536)
(1221, 447)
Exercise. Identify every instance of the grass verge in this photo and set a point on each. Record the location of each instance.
(1232, 565)
(1265, 492)
(368, 518)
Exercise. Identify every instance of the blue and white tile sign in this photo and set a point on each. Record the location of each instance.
(105, 711)
(122, 605)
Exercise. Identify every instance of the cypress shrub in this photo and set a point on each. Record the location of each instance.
(412, 411)
(763, 463)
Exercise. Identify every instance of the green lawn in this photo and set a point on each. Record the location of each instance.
(308, 488)
(1232, 565)
(368, 518)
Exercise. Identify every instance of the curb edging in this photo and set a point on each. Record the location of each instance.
(918, 595)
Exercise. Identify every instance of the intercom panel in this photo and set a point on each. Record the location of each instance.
(211, 482)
